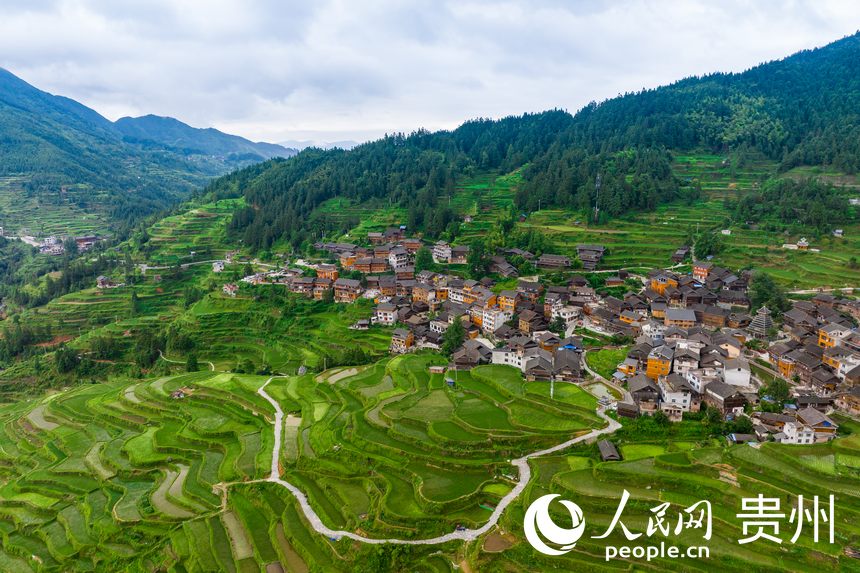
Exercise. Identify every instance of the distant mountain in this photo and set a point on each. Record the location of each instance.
(305, 143)
(66, 158)
(173, 134)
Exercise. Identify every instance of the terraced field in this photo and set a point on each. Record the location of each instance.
(647, 240)
(40, 214)
(111, 476)
(193, 235)
(396, 452)
(118, 476)
(121, 476)
(682, 471)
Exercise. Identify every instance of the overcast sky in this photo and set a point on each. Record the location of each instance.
(330, 70)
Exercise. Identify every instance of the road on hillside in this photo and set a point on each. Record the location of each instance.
(522, 464)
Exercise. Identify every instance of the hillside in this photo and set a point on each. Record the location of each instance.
(63, 164)
(794, 113)
(182, 138)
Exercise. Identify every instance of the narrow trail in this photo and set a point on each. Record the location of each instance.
(522, 464)
(627, 396)
(166, 359)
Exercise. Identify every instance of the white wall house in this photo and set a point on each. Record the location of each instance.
(797, 434)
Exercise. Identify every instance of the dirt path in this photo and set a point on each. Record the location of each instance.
(166, 359)
(522, 464)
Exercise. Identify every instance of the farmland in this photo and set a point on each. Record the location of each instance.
(121, 475)
(647, 240)
(124, 475)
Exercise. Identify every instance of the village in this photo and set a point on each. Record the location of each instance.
(692, 341)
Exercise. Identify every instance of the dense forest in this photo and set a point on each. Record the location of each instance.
(794, 205)
(802, 110)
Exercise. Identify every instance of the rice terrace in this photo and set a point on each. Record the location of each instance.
(430, 330)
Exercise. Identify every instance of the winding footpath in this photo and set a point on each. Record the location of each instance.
(522, 465)
(627, 396)
(166, 359)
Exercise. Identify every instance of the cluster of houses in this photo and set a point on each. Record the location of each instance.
(492, 335)
(677, 370)
(689, 330)
(54, 245)
(710, 297)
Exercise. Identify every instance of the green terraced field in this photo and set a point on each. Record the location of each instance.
(41, 214)
(120, 476)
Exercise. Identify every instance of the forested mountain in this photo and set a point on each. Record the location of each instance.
(173, 134)
(802, 110)
(56, 146)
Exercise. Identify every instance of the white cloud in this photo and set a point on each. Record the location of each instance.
(337, 69)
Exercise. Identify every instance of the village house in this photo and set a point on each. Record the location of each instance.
(736, 372)
(103, 282)
(459, 255)
(230, 289)
(676, 396)
(680, 317)
(218, 266)
(701, 270)
(326, 271)
(590, 255)
(824, 427)
(500, 266)
(402, 341)
(347, 290)
(441, 252)
(681, 254)
(471, 354)
(399, 257)
(553, 262)
(799, 434)
(659, 362)
(832, 334)
(321, 288)
(303, 286)
(724, 397)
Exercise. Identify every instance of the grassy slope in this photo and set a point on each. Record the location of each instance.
(649, 239)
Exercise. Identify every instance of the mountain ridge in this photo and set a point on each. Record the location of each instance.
(60, 152)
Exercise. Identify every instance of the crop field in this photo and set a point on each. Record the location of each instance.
(103, 476)
(649, 239)
(398, 452)
(121, 476)
(23, 212)
(682, 470)
(197, 234)
(125, 476)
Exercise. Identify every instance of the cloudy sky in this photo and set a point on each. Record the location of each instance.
(330, 70)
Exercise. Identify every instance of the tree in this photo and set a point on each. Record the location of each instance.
(423, 259)
(558, 326)
(65, 359)
(778, 390)
(246, 367)
(708, 244)
(477, 261)
(134, 303)
(763, 291)
(191, 363)
(453, 338)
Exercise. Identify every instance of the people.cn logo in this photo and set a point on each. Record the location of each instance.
(538, 520)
